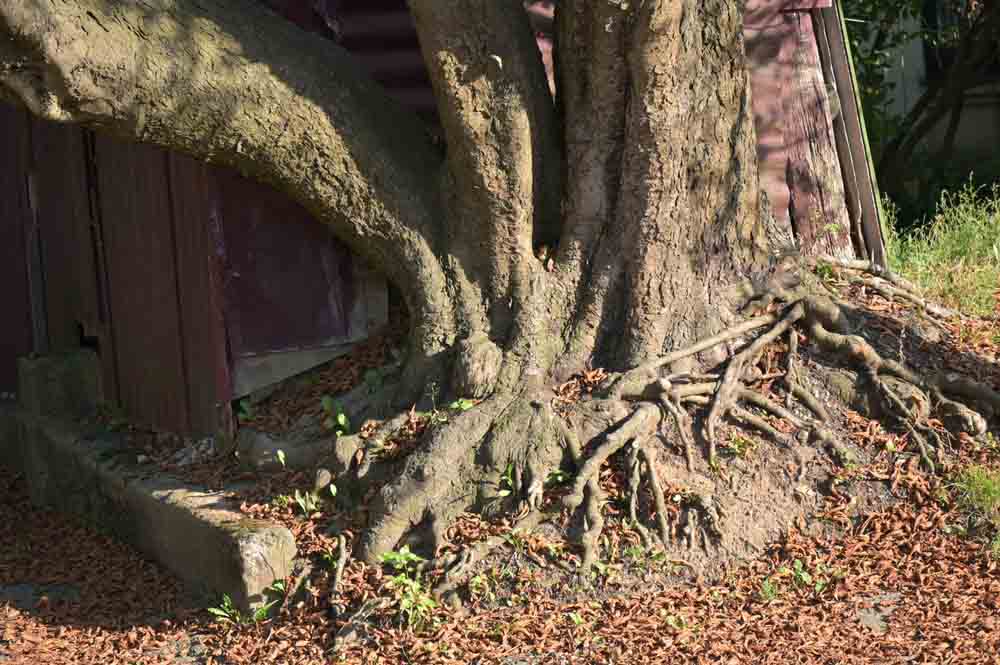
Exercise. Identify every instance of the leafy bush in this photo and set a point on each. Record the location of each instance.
(955, 256)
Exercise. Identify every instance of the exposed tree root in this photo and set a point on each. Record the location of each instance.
(498, 455)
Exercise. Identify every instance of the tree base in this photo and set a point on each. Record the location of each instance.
(676, 459)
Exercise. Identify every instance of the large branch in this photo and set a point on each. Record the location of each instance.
(503, 154)
(228, 82)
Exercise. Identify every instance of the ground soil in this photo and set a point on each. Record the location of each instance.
(819, 559)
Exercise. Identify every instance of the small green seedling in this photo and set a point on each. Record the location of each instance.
(740, 446)
(556, 478)
(245, 410)
(461, 404)
(825, 271)
(507, 481)
(769, 590)
(402, 561)
(676, 622)
(308, 502)
(227, 613)
(413, 598)
(576, 618)
(281, 458)
(335, 418)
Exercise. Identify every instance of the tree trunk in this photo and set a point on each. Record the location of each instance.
(620, 227)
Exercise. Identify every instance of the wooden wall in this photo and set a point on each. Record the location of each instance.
(16, 338)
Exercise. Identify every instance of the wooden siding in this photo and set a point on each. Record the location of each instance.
(16, 329)
(62, 207)
(139, 236)
(199, 294)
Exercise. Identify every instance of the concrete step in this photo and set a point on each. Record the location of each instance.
(198, 535)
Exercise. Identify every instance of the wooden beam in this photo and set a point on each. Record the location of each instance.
(830, 22)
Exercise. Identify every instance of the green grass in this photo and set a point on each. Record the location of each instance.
(977, 489)
(955, 256)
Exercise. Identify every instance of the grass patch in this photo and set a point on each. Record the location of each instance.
(955, 256)
(977, 489)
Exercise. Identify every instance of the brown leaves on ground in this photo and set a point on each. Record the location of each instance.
(895, 588)
(298, 399)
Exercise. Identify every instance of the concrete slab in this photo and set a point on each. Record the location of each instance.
(198, 535)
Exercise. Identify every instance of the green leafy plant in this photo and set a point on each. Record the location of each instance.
(740, 446)
(335, 418)
(556, 478)
(281, 501)
(677, 622)
(461, 404)
(769, 590)
(480, 587)
(245, 410)
(636, 553)
(281, 458)
(275, 588)
(576, 618)
(416, 605)
(507, 481)
(413, 598)
(403, 560)
(800, 574)
(818, 580)
(825, 271)
(517, 542)
(308, 502)
(226, 612)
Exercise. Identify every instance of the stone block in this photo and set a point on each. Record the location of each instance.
(62, 385)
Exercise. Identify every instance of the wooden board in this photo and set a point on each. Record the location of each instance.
(142, 278)
(15, 309)
(853, 139)
(203, 328)
(62, 208)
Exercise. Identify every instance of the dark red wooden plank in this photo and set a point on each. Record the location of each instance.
(200, 294)
(142, 281)
(288, 282)
(63, 213)
(15, 333)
